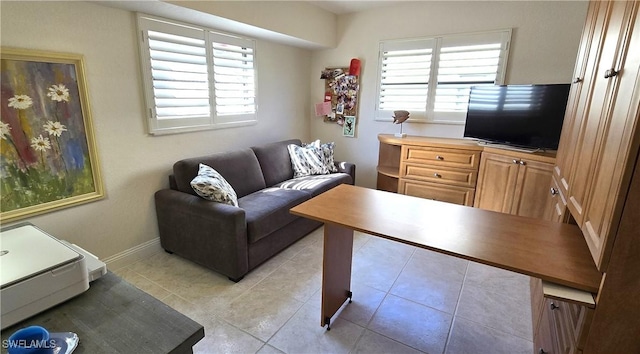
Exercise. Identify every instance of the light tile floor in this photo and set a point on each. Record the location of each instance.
(406, 300)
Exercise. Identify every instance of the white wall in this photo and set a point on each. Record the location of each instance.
(295, 19)
(134, 164)
(544, 44)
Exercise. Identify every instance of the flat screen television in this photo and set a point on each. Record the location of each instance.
(527, 116)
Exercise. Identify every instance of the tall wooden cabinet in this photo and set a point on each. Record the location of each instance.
(597, 177)
(598, 136)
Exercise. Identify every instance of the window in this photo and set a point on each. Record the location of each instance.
(431, 77)
(196, 78)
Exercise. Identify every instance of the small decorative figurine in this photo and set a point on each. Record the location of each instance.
(398, 118)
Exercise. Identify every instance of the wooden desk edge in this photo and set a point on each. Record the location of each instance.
(589, 282)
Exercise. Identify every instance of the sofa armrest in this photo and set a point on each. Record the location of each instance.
(208, 233)
(348, 168)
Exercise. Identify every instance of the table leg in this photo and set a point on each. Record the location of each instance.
(336, 270)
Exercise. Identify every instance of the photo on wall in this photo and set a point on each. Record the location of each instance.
(349, 126)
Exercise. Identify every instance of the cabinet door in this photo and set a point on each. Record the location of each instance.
(545, 340)
(584, 73)
(496, 182)
(596, 115)
(557, 204)
(531, 194)
(617, 150)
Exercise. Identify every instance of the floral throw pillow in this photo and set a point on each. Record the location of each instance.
(210, 185)
(327, 151)
(307, 160)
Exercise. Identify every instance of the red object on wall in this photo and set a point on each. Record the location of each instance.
(354, 68)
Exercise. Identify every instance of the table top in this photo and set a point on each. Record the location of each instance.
(114, 316)
(552, 251)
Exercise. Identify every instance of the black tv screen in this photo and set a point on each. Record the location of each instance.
(520, 115)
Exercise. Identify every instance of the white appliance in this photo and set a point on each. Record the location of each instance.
(38, 271)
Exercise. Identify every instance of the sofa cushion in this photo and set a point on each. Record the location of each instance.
(240, 168)
(210, 185)
(327, 152)
(316, 184)
(307, 160)
(275, 161)
(268, 210)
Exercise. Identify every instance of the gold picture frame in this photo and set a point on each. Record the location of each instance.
(48, 156)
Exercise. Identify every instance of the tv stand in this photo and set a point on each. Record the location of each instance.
(451, 170)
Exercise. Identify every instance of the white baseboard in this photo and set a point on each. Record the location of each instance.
(133, 254)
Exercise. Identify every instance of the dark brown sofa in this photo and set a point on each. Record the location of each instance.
(234, 240)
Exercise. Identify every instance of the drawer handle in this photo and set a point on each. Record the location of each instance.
(438, 157)
(575, 81)
(611, 73)
(554, 306)
(541, 351)
(522, 162)
(437, 175)
(515, 161)
(554, 191)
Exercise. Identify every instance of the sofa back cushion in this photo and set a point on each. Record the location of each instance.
(275, 161)
(239, 167)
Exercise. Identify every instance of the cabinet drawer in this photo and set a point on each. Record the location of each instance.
(455, 158)
(436, 191)
(464, 178)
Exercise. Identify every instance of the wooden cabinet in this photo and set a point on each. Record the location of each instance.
(515, 183)
(559, 325)
(598, 135)
(598, 171)
(544, 339)
(579, 97)
(447, 170)
(388, 167)
(556, 209)
(440, 173)
(432, 168)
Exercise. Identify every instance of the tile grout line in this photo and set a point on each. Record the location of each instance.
(455, 311)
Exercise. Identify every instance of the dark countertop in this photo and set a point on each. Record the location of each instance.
(114, 316)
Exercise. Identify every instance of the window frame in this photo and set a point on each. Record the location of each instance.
(156, 126)
(429, 115)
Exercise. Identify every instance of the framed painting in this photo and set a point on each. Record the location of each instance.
(48, 157)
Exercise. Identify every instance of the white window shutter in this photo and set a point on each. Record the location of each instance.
(405, 71)
(234, 75)
(194, 78)
(432, 77)
(179, 74)
(459, 68)
(405, 79)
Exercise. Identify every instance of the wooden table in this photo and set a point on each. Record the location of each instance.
(113, 316)
(554, 252)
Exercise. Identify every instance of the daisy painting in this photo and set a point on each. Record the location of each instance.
(47, 155)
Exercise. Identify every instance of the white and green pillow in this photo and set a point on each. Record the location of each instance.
(210, 185)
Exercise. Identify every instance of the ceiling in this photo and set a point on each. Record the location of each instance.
(350, 6)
